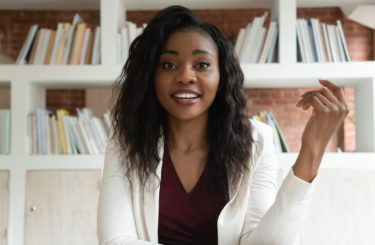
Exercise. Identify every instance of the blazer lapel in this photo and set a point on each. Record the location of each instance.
(151, 198)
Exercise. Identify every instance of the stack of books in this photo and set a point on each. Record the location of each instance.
(257, 44)
(4, 131)
(278, 138)
(73, 43)
(126, 36)
(61, 133)
(320, 42)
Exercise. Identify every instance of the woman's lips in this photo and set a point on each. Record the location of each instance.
(185, 101)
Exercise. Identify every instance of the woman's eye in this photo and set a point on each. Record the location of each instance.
(168, 65)
(203, 65)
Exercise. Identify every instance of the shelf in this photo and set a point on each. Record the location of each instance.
(61, 76)
(307, 74)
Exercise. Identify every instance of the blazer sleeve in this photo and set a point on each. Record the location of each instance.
(274, 217)
(115, 223)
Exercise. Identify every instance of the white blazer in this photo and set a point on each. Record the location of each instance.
(255, 214)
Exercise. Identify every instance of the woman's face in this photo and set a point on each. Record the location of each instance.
(187, 75)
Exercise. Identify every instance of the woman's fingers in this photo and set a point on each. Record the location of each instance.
(337, 90)
(330, 95)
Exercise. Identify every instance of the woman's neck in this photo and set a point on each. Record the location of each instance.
(187, 135)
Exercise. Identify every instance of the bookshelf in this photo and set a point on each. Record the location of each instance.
(28, 84)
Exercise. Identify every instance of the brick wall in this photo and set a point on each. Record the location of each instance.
(15, 25)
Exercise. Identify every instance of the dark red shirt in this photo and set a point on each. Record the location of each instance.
(187, 218)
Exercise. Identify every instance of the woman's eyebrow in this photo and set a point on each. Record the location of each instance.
(169, 51)
(194, 52)
(200, 51)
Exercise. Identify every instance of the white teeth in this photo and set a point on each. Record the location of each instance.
(185, 96)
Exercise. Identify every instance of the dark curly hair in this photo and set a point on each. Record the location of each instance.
(139, 121)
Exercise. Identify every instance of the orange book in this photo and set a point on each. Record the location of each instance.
(78, 44)
(90, 45)
(50, 47)
(60, 54)
(35, 47)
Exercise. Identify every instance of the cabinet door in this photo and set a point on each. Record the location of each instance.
(4, 200)
(61, 207)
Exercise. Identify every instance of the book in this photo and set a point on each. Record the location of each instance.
(89, 48)
(95, 59)
(343, 40)
(85, 46)
(64, 35)
(27, 46)
(78, 44)
(56, 44)
(70, 39)
(51, 42)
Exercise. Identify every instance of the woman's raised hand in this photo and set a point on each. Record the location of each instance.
(329, 111)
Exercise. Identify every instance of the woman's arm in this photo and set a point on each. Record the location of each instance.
(279, 221)
(274, 218)
(116, 224)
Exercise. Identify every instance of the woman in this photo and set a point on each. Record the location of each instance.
(184, 164)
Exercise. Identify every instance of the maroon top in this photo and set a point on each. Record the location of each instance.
(187, 218)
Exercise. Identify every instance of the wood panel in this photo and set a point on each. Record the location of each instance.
(4, 205)
(65, 207)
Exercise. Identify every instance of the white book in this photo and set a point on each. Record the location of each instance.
(255, 35)
(27, 45)
(107, 122)
(246, 44)
(43, 52)
(316, 38)
(124, 44)
(304, 40)
(267, 42)
(69, 147)
(259, 43)
(326, 40)
(118, 48)
(70, 38)
(306, 30)
(56, 43)
(240, 41)
(84, 48)
(86, 140)
(77, 136)
(132, 29)
(339, 45)
(139, 31)
(56, 143)
(272, 52)
(95, 58)
(90, 142)
(39, 46)
(101, 130)
(47, 134)
(84, 117)
(333, 43)
(343, 40)
(73, 138)
(301, 42)
(96, 136)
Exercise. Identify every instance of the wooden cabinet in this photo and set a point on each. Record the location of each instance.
(61, 207)
(4, 202)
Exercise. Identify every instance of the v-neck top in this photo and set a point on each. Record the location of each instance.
(187, 218)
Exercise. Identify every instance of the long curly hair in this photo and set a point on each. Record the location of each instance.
(139, 121)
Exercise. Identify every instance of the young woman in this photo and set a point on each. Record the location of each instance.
(184, 164)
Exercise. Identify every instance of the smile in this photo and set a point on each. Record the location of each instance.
(185, 96)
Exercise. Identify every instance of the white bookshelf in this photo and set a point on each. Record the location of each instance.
(28, 84)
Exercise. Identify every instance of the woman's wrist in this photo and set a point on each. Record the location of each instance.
(307, 164)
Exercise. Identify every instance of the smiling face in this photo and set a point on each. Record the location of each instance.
(187, 75)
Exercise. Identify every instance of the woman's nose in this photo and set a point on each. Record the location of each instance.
(186, 75)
